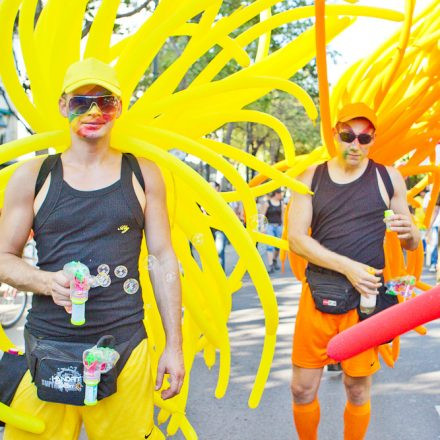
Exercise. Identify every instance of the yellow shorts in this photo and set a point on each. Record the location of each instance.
(127, 414)
(313, 331)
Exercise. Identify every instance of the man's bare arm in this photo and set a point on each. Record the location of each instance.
(166, 278)
(15, 225)
(402, 222)
(300, 242)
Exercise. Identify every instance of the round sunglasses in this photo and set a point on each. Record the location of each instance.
(349, 137)
(80, 104)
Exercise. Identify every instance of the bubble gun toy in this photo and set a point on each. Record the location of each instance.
(96, 361)
(79, 276)
(403, 286)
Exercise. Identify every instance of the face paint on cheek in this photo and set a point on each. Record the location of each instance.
(74, 121)
(345, 154)
(108, 117)
(77, 128)
(71, 117)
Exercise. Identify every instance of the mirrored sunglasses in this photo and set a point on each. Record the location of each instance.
(80, 104)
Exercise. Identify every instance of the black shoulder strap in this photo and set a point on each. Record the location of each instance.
(134, 165)
(45, 170)
(317, 176)
(386, 179)
(128, 168)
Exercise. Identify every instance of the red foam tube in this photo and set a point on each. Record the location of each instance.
(386, 325)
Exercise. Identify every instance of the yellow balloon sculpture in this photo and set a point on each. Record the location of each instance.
(162, 119)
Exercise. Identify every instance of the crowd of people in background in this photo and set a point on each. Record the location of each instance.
(430, 235)
(271, 210)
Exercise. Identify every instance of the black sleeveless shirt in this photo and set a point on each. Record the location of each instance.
(348, 218)
(273, 213)
(101, 227)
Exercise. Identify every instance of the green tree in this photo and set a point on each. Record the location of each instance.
(256, 139)
(249, 136)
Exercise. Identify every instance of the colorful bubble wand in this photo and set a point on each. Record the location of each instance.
(96, 360)
(403, 286)
(79, 277)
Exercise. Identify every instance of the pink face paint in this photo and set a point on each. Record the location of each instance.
(89, 123)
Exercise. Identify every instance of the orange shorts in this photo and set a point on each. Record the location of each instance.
(313, 331)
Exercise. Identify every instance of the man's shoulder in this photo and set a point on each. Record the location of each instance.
(150, 172)
(394, 173)
(148, 167)
(24, 177)
(144, 162)
(28, 170)
(307, 175)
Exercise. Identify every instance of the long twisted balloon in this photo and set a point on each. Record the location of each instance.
(163, 119)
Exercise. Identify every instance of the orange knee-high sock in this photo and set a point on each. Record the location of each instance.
(306, 419)
(356, 419)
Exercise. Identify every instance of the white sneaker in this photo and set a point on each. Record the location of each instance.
(432, 268)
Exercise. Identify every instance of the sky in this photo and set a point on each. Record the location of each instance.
(365, 35)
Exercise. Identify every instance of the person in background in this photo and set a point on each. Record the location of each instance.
(219, 236)
(273, 210)
(419, 217)
(432, 239)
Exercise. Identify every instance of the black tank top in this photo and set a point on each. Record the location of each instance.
(273, 213)
(348, 218)
(98, 227)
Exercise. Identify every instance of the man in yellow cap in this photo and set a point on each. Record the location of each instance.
(345, 262)
(91, 204)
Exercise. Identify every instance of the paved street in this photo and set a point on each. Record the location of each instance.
(406, 399)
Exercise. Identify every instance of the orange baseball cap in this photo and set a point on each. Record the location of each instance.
(91, 71)
(356, 110)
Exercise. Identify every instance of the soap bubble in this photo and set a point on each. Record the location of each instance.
(121, 271)
(131, 286)
(152, 262)
(103, 268)
(170, 277)
(197, 239)
(93, 281)
(103, 279)
(259, 223)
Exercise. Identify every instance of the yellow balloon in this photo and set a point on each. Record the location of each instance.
(19, 419)
(399, 80)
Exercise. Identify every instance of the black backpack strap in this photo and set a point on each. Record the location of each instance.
(45, 170)
(386, 179)
(134, 165)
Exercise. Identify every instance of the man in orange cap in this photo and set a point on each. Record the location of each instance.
(89, 204)
(345, 262)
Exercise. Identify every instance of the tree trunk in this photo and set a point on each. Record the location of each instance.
(229, 130)
(207, 172)
(249, 145)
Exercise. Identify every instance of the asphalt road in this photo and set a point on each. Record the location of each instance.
(405, 400)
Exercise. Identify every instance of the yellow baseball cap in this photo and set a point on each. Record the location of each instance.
(356, 110)
(91, 71)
